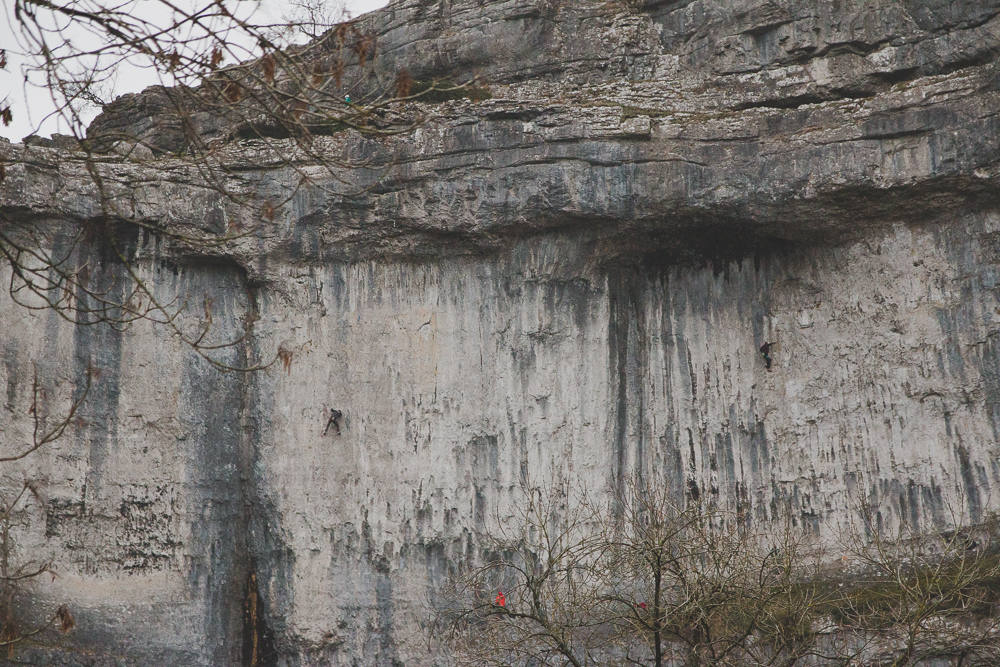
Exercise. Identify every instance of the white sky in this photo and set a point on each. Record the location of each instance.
(32, 104)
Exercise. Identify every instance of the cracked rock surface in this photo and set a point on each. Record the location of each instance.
(568, 280)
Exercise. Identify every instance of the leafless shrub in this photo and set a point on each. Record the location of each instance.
(632, 581)
(639, 580)
(918, 595)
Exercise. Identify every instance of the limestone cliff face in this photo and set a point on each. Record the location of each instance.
(570, 280)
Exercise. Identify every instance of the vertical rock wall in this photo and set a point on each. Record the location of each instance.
(462, 381)
(139, 505)
(532, 314)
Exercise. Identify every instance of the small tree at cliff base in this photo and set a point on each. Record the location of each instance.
(640, 581)
(633, 581)
(917, 596)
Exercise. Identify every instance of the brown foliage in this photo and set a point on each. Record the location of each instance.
(340, 33)
(267, 211)
(66, 620)
(404, 83)
(173, 60)
(10, 634)
(364, 46)
(338, 71)
(267, 66)
(233, 92)
(286, 354)
(318, 73)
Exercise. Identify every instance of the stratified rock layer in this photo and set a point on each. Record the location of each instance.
(570, 280)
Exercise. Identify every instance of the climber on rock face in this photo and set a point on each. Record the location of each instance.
(765, 350)
(335, 416)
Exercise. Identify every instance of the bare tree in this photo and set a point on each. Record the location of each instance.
(919, 595)
(532, 601)
(641, 581)
(703, 586)
(14, 576)
(312, 18)
(633, 581)
(226, 77)
(43, 431)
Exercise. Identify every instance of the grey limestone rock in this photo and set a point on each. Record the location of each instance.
(570, 279)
